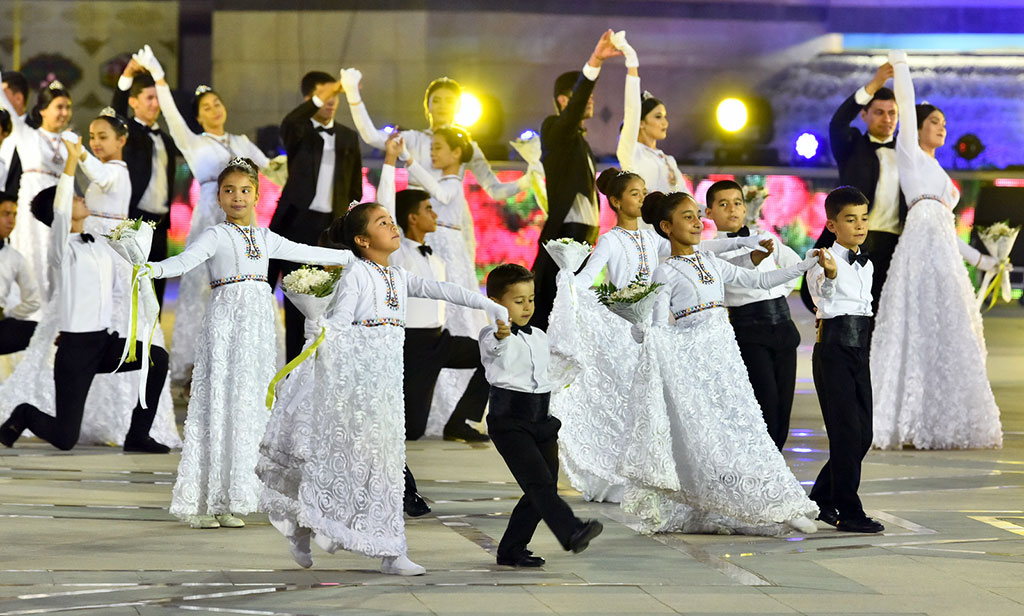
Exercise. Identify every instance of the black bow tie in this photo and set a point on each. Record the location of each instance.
(891, 144)
(152, 130)
(526, 329)
(425, 250)
(87, 238)
(858, 257)
(324, 129)
(743, 232)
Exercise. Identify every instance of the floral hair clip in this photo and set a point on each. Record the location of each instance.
(646, 95)
(55, 85)
(203, 89)
(353, 204)
(238, 161)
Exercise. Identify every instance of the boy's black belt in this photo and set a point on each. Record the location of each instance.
(846, 330)
(764, 312)
(521, 405)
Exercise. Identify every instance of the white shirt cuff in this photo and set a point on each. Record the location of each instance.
(124, 83)
(591, 72)
(316, 101)
(862, 97)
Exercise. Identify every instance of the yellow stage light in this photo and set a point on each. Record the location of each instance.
(470, 110)
(732, 114)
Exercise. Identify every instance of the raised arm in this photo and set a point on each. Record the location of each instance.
(296, 125)
(454, 294)
(393, 147)
(279, 247)
(445, 194)
(184, 138)
(596, 262)
(98, 173)
(248, 149)
(194, 255)
(906, 139)
(350, 79)
(63, 204)
(487, 179)
(626, 149)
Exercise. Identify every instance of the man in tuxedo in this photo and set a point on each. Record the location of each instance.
(868, 163)
(569, 168)
(16, 89)
(325, 174)
(149, 154)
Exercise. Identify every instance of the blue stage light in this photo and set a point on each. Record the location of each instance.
(807, 145)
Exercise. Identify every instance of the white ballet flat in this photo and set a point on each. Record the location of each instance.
(226, 520)
(400, 565)
(299, 546)
(203, 521)
(803, 524)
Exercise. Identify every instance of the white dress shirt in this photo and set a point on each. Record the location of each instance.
(849, 293)
(371, 295)
(323, 197)
(885, 209)
(518, 362)
(420, 313)
(154, 198)
(19, 294)
(627, 254)
(85, 270)
(782, 256)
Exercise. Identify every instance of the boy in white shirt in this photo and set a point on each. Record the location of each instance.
(16, 328)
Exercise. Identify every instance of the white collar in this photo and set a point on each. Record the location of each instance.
(155, 126)
(317, 123)
(873, 139)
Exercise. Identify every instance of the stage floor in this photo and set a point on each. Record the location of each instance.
(89, 530)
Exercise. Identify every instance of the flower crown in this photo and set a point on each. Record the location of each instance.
(55, 85)
(241, 163)
(203, 89)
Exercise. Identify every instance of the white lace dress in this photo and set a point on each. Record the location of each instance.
(929, 383)
(350, 440)
(698, 457)
(112, 397)
(235, 362)
(206, 155)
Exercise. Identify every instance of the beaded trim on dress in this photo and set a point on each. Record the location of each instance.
(239, 278)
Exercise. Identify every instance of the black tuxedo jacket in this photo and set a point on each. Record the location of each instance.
(305, 148)
(567, 158)
(856, 158)
(138, 155)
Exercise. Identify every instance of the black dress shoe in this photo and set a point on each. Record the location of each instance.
(464, 433)
(11, 429)
(583, 535)
(865, 525)
(145, 446)
(522, 559)
(415, 506)
(829, 516)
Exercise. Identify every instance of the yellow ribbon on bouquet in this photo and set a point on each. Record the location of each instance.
(995, 287)
(292, 365)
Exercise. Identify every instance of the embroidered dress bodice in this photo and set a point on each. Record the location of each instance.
(627, 255)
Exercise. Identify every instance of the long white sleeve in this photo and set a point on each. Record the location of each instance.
(743, 277)
(386, 189)
(183, 136)
(626, 150)
(352, 285)
(27, 290)
(970, 254)
(820, 285)
(595, 263)
(489, 181)
(451, 293)
(98, 173)
(61, 226)
(194, 255)
(445, 194)
(364, 125)
(907, 147)
(249, 150)
(662, 303)
(279, 247)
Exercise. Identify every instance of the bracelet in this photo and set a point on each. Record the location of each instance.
(356, 104)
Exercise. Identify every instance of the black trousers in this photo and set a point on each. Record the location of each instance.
(15, 335)
(842, 376)
(305, 228)
(545, 270)
(768, 342)
(880, 246)
(527, 439)
(426, 352)
(159, 250)
(80, 357)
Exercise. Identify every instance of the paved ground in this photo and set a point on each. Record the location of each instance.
(89, 530)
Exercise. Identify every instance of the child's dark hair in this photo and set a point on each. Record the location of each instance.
(240, 165)
(46, 96)
(612, 183)
(6, 196)
(658, 207)
(457, 138)
(504, 276)
(408, 202)
(343, 231)
(313, 79)
(719, 186)
(5, 122)
(438, 84)
(42, 205)
(116, 122)
(140, 83)
(923, 111)
(881, 94)
(201, 92)
(842, 197)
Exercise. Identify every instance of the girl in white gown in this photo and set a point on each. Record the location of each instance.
(42, 155)
(698, 457)
(206, 154)
(235, 358)
(928, 352)
(111, 401)
(350, 491)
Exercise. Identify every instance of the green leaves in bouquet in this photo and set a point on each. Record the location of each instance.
(632, 293)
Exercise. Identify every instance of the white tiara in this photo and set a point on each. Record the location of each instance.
(354, 203)
(646, 95)
(109, 112)
(55, 85)
(203, 89)
(238, 161)
(623, 172)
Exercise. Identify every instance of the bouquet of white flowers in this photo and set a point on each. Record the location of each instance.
(132, 239)
(567, 253)
(311, 289)
(754, 197)
(529, 149)
(998, 239)
(634, 302)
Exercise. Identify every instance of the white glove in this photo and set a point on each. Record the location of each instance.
(897, 55)
(150, 270)
(350, 78)
(148, 60)
(810, 260)
(638, 331)
(405, 156)
(754, 240)
(987, 263)
(619, 40)
(497, 312)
